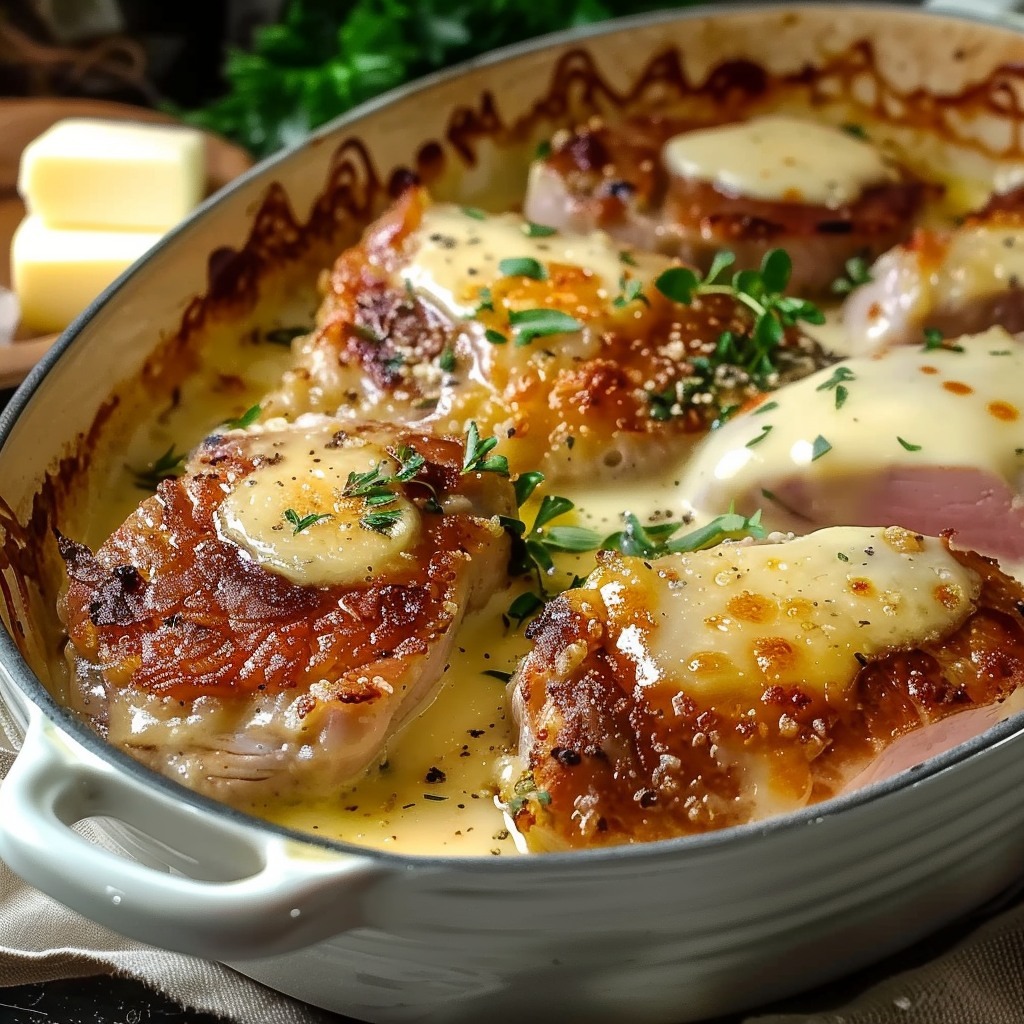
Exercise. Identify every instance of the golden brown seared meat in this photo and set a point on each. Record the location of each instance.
(684, 190)
(560, 345)
(275, 613)
(677, 696)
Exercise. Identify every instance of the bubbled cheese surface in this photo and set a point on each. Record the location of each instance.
(779, 159)
(299, 472)
(729, 622)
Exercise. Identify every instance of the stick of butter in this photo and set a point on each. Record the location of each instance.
(88, 173)
(58, 272)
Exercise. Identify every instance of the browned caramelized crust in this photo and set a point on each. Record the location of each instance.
(611, 176)
(169, 607)
(616, 759)
(613, 395)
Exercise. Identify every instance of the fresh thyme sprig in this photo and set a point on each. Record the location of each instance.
(655, 540)
(857, 271)
(478, 458)
(300, 523)
(761, 292)
(534, 549)
(167, 466)
(381, 520)
(377, 487)
(247, 419)
(630, 290)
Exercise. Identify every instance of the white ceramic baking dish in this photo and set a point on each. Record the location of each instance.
(672, 931)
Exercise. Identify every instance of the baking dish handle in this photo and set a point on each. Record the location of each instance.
(258, 893)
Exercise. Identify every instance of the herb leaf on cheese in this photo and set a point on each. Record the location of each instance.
(247, 419)
(300, 523)
(541, 323)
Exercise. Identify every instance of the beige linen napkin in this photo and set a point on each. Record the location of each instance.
(959, 977)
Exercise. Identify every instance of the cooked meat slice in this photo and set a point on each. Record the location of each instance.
(275, 614)
(931, 439)
(689, 191)
(706, 690)
(957, 281)
(561, 345)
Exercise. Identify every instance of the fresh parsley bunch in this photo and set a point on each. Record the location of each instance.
(324, 56)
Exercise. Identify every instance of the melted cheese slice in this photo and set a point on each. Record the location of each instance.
(306, 472)
(453, 254)
(780, 159)
(950, 408)
(729, 622)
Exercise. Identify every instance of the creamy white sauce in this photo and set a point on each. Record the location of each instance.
(780, 159)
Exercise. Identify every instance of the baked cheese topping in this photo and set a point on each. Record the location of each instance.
(305, 473)
(979, 261)
(454, 254)
(729, 622)
(780, 159)
(907, 406)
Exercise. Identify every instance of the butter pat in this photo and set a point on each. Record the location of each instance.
(86, 173)
(57, 273)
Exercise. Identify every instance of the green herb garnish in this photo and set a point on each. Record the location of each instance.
(495, 337)
(486, 301)
(908, 445)
(475, 212)
(765, 431)
(300, 523)
(835, 382)
(819, 447)
(934, 339)
(761, 292)
(656, 540)
(478, 458)
(525, 484)
(630, 291)
(381, 521)
(166, 467)
(523, 266)
(247, 419)
(532, 230)
(857, 272)
(284, 335)
(541, 323)
(446, 360)
(502, 677)
(524, 606)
